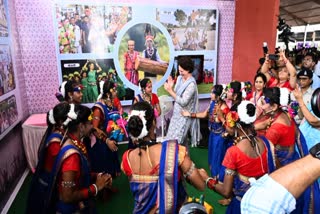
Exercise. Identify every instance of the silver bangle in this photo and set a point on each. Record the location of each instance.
(230, 172)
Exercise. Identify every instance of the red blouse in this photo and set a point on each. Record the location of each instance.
(51, 154)
(281, 134)
(237, 160)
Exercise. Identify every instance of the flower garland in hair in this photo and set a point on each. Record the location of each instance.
(242, 112)
(71, 115)
(63, 89)
(141, 115)
(231, 118)
(51, 117)
(284, 97)
(101, 83)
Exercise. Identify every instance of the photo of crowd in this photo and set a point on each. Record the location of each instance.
(89, 29)
(3, 20)
(8, 113)
(90, 73)
(7, 82)
(190, 28)
(144, 53)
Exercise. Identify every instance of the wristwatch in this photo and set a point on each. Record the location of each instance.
(315, 151)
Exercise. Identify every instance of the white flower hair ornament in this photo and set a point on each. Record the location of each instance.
(51, 117)
(141, 115)
(63, 89)
(101, 83)
(242, 112)
(284, 97)
(71, 115)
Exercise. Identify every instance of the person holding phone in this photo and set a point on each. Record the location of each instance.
(286, 72)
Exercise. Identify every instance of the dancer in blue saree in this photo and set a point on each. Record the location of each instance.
(216, 145)
(250, 156)
(156, 171)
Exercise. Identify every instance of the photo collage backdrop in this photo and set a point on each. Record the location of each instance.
(9, 116)
(125, 43)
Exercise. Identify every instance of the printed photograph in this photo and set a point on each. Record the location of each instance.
(144, 53)
(203, 73)
(3, 20)
(89, 73)
(88, 28)
(8, 113)
(190, 29)
(7, 79)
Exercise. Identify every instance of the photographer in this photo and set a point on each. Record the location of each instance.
(286, 72)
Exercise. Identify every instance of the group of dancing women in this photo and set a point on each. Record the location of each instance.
(251, 134)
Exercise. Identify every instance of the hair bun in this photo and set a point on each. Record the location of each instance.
(135, 125)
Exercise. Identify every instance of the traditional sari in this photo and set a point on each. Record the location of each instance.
(102, 159)
(246, 167)
(163, 191)
(216, 145)
(42, 188)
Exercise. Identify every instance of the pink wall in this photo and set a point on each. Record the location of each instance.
(255, 22)
(35, 24)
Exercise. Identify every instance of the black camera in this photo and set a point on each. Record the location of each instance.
(274, 57)
(265, 48)
(315, 102)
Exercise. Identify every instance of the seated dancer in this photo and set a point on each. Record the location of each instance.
(250, 156)
(156, 171)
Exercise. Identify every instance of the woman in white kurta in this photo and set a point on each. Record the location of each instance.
(185, 95)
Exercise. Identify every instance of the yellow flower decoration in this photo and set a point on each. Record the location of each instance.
(90, 116)
(231, 118)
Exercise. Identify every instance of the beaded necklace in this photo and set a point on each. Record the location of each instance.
(78, 143)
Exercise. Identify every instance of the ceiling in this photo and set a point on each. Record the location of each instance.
(300, 12)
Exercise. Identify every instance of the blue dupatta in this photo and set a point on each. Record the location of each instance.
(41, 188)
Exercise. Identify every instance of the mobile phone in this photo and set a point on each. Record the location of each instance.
(274, 57)
(265, 48)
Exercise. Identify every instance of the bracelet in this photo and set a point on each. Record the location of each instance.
(208, 179)
(193, 115)
(211, 183)
(96, 188)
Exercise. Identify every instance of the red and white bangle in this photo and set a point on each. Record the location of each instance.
(96, 189)
(211, 183)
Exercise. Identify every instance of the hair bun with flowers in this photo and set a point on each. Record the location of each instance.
(141, 115)
(71, 115)
(246, 112)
